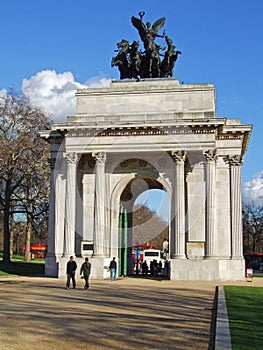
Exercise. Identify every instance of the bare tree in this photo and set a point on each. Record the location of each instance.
(253, 227)
(148, 226)
(35, 194)
(19, 126)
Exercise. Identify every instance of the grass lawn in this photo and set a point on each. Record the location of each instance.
(18, 267)
(245, 312)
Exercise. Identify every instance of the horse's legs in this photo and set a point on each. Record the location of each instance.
(158, 68)
(150, 67)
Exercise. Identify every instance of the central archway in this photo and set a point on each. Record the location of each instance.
(132, 186)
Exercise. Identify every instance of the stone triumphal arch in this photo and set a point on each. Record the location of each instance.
(140, 135)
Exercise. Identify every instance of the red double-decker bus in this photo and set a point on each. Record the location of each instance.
(38, 251)
(138, 251)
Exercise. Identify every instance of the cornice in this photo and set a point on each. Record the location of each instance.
(236, 132)
(141, 131)
(217, 126)
(149, 86)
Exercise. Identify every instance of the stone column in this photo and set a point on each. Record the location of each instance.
(88, 207)
(210, 204)
(72, 162)
(179, 205)
(51, 214)
(236, 206)
(60, 214)
(99, 220)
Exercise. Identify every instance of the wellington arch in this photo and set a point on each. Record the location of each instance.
(150, 134)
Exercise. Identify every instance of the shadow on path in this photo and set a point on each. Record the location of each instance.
(126, 314)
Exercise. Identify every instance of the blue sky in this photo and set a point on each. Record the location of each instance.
(49, 48)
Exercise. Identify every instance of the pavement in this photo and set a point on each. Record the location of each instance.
(130, 313)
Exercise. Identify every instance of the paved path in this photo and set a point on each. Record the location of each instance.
(38, 313)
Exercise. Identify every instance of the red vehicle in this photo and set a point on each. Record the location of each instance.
(138, 251)
(38, 250)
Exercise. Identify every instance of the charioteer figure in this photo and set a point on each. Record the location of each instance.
(133, 63)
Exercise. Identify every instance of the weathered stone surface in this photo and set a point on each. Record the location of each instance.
(160, 134)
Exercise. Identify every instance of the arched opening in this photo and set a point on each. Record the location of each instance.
(156, 200)
(143, 223)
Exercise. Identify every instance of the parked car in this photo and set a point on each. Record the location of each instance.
(255, 265)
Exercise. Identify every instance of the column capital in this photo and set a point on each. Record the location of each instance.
(210, 155)
(100, 157)
(72, 158)
(178, 156)
(235, 160)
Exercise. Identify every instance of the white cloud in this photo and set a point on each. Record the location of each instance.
(55, 92)
(253, 190)
(96, 82)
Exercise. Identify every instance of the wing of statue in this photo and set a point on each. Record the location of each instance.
(139, 25)
(158, 25)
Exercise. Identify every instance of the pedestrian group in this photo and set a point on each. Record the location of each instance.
(85, 272)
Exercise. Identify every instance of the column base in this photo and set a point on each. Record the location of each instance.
(67, 256)
(178, 256)
(98, 256)
(51, 266)
(207, 270)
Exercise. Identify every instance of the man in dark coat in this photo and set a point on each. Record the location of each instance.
(113, 269)
(71, 270)
(85, 269)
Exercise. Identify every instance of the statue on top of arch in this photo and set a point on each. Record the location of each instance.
(134, 63)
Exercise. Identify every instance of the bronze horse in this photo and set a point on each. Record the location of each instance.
(121, 61)
(171, 55)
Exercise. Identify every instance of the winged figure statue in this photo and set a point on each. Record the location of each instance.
(148, 33)
(135, 63)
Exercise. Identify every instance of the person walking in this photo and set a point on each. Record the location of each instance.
(113, 269)
(71, 270)
(85, 270)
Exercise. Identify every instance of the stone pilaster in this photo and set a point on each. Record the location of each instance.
(236, 206)
(210, 204)
(51, 214)
(72, 162)
(60, 214)
(99, 224)
(179, 205)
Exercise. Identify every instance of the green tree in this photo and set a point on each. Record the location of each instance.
(20, 123)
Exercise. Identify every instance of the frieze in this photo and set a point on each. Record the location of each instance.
(141, 131)
(124, 163)
(229, 137)
(142, 163)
